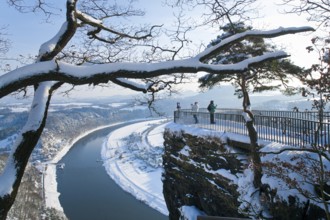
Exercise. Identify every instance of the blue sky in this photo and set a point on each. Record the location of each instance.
(28, 31)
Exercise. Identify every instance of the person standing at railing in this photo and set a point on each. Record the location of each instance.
(178, 106)
(194, 109)
(177, 112)
(295, 109)
(211, 108)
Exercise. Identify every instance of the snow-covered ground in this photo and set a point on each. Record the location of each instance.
(132, 157)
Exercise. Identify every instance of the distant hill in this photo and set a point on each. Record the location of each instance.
(223, 96)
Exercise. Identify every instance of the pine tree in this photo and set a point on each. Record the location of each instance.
(270, 75)
(266, 76)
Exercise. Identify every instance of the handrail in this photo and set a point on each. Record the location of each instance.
(285, 127)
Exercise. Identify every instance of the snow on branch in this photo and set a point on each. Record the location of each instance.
(51, 48)
(213, 51)
(103, 73)
(131, 85)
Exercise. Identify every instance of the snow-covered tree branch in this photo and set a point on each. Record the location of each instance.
(102, 73)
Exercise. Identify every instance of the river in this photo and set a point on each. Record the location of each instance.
(87, 191)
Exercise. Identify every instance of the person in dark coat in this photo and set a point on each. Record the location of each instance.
(211, 108)
(177, 112)
(178, 106)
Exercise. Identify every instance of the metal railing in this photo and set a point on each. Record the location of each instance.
(285, 127)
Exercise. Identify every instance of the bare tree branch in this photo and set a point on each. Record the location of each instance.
(316, 151)
(315, 10)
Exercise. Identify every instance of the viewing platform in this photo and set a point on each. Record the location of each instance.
(292, 128)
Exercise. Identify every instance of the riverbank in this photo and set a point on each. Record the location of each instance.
(51, 195)
(132, 157)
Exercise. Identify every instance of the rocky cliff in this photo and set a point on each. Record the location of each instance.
(191, 177)
(203, 172)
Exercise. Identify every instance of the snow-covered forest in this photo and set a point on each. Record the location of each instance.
(97, 44)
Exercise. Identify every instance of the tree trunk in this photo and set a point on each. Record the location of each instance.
(36, 122)
(20, 157)
(253, 135)
(257, 170)
(24, 146)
